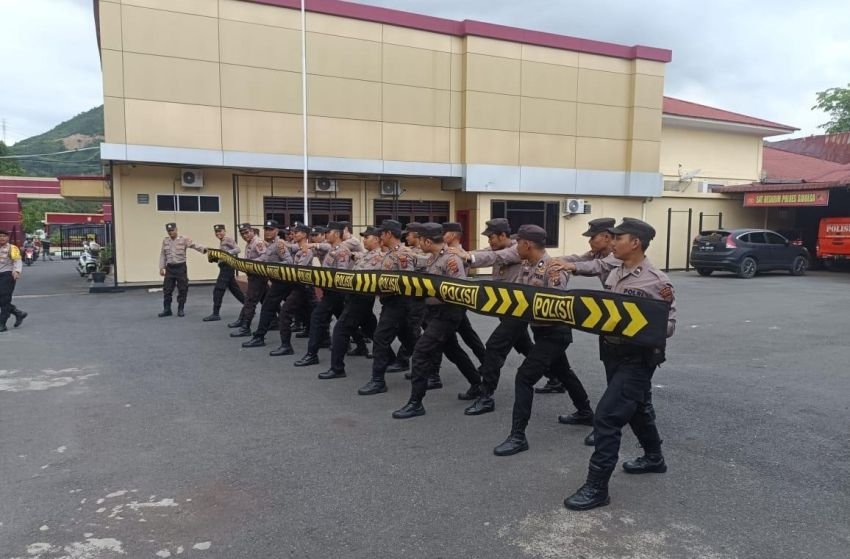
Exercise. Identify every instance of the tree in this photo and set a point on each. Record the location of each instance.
(9, 167)
(835, 101)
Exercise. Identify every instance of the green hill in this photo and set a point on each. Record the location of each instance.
(82, 131)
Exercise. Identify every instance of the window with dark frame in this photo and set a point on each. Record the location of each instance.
(187, 203)
(407, 211)
(524, 212)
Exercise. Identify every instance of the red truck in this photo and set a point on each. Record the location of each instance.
(833, 240)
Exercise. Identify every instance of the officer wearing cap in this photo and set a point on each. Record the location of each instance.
(299, 297)
(172, 267)
(332, 303)
(417, 304)
(628, 368)
(357, 312)
(551, 340)
(440, 334)
(11, 267)
(317, 234)
(395, 310)
(257, 285)
(226, 280)
(276, 251)
(350, 240)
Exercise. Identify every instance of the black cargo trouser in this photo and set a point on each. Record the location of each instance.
(509, 334)
(547, 355)
(331, 305)
(627, 400)
(416, 316)
(295, 304)
(226, 281)
(257, 287)
(471, 338)
(394, 321)
(357, 313)
(175, 275)
(439, 337)
(276, 293)
(7, 288)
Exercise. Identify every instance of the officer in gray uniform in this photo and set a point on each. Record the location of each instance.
(11, 267)
(628, 368)
(441, 323)
(257, 285)
(226, 280)
(300, 296)
(172, 267)
(452, 232)
(417, 304)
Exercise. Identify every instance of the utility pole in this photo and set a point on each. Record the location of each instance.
(3, 125)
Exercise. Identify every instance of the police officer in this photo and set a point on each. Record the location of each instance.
(332, 303)
(11, 267)
(628, 368)
(226, 280)
(395, 310)
(452, 232)
(276, 251)
(357, 312)
(300, 296)
(441, 323)
(172, 267)
(417, 305)
(257, 286)
(551, 340)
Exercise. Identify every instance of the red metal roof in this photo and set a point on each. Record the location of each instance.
(829, 147)
(679, 107)
(800, 171)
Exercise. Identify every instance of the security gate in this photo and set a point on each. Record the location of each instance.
(73, 237)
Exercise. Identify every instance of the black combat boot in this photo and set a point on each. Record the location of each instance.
(399, 366)
(256, 341)
(332, 374)
(374, 386)
(3, 318)
(214, 317)
(284, 349)
(235, 324)
(582, 416)
(590, 440)
(434, 383)
(514, 444)
(484, 404)
(472, 393)
(594, 492)
(307, 360)
(19, 317)
(413, 408)
(243, 332)
(652, 461)
(166, 310)
(180, 311)
(552, 386)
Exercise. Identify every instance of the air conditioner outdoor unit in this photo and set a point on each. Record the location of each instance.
(703, 186)
(325, 185)
(191, 178)
(573, 206)
(390, 188)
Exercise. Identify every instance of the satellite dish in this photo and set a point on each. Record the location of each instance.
(689, 176)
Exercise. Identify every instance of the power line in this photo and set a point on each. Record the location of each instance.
(43, 154)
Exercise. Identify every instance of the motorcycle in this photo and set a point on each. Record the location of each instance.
(87, 263)
(29, 256)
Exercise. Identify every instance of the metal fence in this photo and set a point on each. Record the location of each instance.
(73, 237)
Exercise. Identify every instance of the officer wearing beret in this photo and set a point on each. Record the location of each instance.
(333, 302)
(172, 267)
(440, 334)
(257, 285)
(11, 267)
(628, 368)
(551, 340)
(226, 280)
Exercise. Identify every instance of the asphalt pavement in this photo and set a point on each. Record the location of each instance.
(126, 435)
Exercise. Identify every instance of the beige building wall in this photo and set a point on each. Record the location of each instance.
(722, 157)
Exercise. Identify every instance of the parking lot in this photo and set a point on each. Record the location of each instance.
(125, 435)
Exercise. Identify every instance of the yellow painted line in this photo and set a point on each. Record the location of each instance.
(595, 312)
(429, 286)
(408, 289)
(492, 299)
(358, 281)
(614, 318)
(506, 304)
(418, 285)
(522, 303)
(638, 320)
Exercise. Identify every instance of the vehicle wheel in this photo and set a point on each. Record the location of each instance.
(748, 268)
(704, 271)
(799, 266)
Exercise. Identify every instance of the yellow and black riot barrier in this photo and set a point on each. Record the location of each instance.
(641, 321)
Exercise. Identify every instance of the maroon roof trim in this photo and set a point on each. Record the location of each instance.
(680, 107)
(472, 28)
(762, 187)
(82, 177)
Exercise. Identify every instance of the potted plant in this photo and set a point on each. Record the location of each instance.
(104, 264)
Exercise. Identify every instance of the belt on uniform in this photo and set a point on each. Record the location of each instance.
(175, 264)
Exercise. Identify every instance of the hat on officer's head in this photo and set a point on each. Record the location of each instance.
(319, 230)
(452, 227)
(218, 227)
(533, 233)
(271, 224)
(433, 231)
(371, 231)
(345, 225)
(3, 231)
(243, 227)
(497, 226)
(301, 228)
(335, 226)
(636, 227)
(392, 226)
(601, 225)
(413, 227)
(170, 226)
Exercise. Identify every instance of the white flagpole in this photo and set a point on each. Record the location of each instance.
(304, 102)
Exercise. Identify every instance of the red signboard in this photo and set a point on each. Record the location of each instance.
(775, 199)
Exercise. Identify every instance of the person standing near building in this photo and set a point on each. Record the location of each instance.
(628, 368)
(298, 300)
(11, 267)
(172, 267)
(551, 339)
(358, 309)
(45, 245)
(417, 304)
(226, 280)
(257, 285)
(441, 323)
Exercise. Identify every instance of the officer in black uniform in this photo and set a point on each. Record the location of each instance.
(628, 368)
(226, 280)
